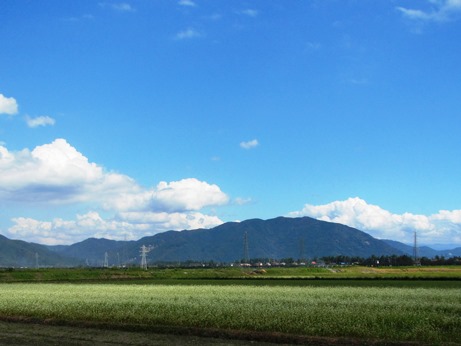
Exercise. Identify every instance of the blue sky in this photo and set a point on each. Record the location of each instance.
(126, 118)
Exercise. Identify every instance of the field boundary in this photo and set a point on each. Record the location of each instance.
(224, 334)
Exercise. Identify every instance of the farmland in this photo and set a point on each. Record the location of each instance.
(276, 305)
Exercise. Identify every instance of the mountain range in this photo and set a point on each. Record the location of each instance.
(276, 238)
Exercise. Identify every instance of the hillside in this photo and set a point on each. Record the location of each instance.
(275, 238)
(423, 251)
(17, 253)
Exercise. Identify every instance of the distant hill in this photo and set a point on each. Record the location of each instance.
(423, 251)
(276, 238)
(92, 251)
(18, 253)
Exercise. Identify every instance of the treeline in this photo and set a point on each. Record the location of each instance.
(384, 261)
(393, 260)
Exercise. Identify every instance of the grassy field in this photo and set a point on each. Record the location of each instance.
(421, 305)
(228, 273)
(391, 314)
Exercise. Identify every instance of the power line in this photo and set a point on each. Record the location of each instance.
(246, 253)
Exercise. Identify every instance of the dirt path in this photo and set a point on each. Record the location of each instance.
(13, 333)
(41, 334)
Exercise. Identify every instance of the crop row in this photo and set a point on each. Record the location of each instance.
(432, 315)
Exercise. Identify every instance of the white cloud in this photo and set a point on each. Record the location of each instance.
(249, 144)
(441, 10)
(55, 174)
(188, 34)
(130, 226)
(43, 120)
(177, 196)
(443, 227)
(59, 231)
(189, 3)
(164, 221)
(58, 173)
(188, 194)
(8, 105)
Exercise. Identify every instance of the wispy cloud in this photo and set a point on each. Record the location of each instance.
(8, 105)
(188, 33)
(120, 7)
(250, 12)
(312, 46)
(249, 144)
(43, 120)
(441, 11)
(242, 200)
(189, 3)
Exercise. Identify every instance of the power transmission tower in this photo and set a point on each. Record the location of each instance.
(415, 250)
(106, 260)
(144, 251)
(36, 260)
(246, 254)
(124, 255)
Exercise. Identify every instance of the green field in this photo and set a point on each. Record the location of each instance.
(227, 273)
(405, 305)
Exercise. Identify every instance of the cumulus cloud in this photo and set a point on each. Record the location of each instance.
(163, 221)
(130, 226)
(177, 196)
(57, 174)
(443, 227)
(43, 120)
(8, 105)
(59, 231)
(188, 33)
(441, 10)
(249, 144)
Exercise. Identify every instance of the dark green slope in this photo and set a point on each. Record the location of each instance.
(18, 253)
(276, 238)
